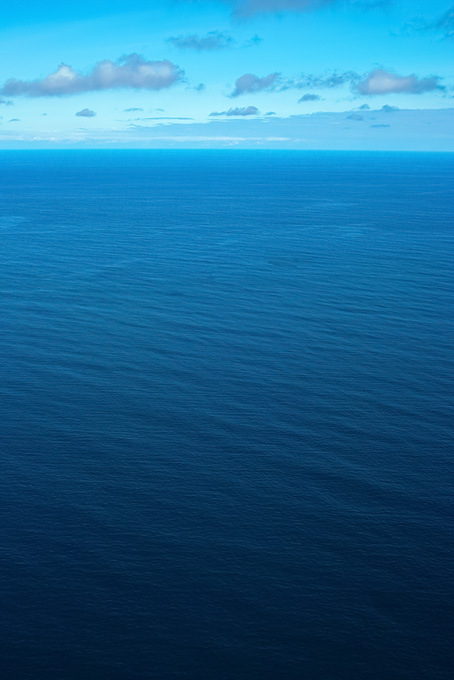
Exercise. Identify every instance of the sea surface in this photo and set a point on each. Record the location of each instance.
(227, 431)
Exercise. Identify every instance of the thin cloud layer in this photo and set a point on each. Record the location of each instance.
(249, 82)
(385, 82)
(165, 118)
(86, 113)
(214, 40)
(250, 7)
(244, 111)
(130, 71)
(445, 23)
(323, 82)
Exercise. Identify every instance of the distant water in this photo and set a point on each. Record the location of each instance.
(227, 439)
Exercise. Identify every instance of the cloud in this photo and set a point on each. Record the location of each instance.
(214, 40)
(310, 98)
(245, 111)
(445, 23)
(6, 102)
(249, 82)
(380, 81)
(355, 116)
(253, 42)
(86, 113)
(131, 71)
(165, 118)
(412, 129)
(327, 81)
(251, 7)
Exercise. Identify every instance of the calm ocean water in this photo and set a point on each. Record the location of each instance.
(227, 432)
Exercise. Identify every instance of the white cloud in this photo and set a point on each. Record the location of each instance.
(131, 71)
(249, 82)
(385, 82)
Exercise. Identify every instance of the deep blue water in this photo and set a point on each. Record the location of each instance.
(227, 432)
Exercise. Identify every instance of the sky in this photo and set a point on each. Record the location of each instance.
(283, 74)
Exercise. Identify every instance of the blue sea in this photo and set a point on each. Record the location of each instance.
(227, 430)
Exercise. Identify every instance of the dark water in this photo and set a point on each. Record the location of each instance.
(227, 440)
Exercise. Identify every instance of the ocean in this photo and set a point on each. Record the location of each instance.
(227, 431)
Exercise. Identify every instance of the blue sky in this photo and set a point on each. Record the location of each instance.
(331, 74)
